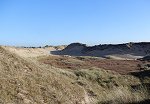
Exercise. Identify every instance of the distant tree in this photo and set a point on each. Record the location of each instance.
(47, 46)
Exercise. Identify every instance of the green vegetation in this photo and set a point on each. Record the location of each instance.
(106, 87)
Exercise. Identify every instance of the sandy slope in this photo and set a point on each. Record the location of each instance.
(31, 52)
(25, 80)
(115, 51)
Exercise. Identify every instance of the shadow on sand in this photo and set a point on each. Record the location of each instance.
(99, 54)
(141, 74)
(142, 102)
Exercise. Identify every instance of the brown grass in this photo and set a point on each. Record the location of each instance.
(28, 81)
(24, 82)
(120, 66)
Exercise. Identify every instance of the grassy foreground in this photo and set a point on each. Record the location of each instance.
(24, 81)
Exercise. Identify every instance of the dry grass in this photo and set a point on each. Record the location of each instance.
(120, 66)
(111, 88)
(24, 81)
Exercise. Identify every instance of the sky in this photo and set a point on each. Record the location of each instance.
(58, 22)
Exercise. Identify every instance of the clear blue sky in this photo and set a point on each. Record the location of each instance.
(55, 22)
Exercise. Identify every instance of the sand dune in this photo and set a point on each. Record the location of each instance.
(34, 76)
(124, 51)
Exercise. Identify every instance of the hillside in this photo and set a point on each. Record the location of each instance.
(24, 82)
(28, 76)
(117, 51)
